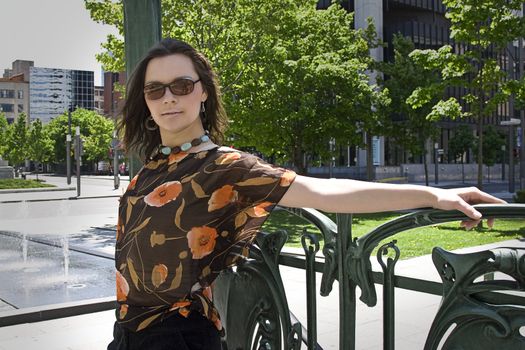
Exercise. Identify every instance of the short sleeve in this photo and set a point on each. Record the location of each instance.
(254, 188)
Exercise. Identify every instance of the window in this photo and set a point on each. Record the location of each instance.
(7, 107)
(7, 93)
(20, 108)
(20, 94)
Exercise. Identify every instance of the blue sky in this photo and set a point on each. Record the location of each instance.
(52, 33)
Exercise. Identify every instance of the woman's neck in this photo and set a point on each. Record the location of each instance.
(192, 132)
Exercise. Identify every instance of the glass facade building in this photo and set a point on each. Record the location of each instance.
(53, 91)
(424, 22)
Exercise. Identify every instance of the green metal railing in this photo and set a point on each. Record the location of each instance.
(488, 314)
(483, 314)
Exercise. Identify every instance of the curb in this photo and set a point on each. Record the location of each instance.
(38, 189)
(58, 199)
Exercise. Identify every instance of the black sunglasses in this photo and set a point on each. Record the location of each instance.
(179, 87)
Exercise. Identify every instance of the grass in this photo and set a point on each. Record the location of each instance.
(20, 183)
(411, 243)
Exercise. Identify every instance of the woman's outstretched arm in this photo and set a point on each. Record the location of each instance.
(352, 196)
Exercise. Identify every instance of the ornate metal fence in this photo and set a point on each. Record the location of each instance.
(473, 314)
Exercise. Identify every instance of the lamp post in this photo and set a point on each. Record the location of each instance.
(68, 147)
(513, 122)
(436, 148)
(78, 156)
(331, 144)
(114, 147)
(503, 162)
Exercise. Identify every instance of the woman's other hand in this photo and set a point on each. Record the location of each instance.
(462, 199)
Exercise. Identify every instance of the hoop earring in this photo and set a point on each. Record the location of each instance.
(149, 126)
(204, 117)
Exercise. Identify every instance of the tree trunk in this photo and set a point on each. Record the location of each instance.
(425, 165)
(480, 151)
(369, 158)
(462, 169)
(480, 125)
(298, 160)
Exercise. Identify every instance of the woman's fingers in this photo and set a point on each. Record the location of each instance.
(469, 224)
(467, 209)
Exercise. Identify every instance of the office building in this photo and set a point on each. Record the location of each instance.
(53, 91)
(14, 97)
(99, 100)
(424, 22)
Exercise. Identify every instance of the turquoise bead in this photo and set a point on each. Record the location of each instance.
(185, 146)
(165, 150)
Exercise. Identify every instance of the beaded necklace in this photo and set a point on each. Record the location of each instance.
(167, 150)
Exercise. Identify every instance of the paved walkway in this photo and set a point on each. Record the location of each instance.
(21, 213)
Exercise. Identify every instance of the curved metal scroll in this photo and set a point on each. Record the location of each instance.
(252, 300)
(329, 232)
(357, 261)
(481, 321)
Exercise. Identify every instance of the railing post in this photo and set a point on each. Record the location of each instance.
(389, 316)
(347, 302)
(310, 251)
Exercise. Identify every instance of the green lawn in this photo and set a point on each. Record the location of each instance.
(412, 243)
(20, 183)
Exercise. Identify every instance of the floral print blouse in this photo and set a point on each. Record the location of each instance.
(183, 219)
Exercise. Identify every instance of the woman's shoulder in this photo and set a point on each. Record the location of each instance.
(229, 155)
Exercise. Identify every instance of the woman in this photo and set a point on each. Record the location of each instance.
(194, 207)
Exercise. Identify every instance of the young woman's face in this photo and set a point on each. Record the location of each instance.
(175, 109)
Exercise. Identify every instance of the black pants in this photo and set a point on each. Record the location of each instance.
(174, 333)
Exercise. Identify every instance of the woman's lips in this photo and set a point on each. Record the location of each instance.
(171, 113)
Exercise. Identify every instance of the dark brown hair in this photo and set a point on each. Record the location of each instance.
(131, 125)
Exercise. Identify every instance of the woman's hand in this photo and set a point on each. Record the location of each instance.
(462, 199)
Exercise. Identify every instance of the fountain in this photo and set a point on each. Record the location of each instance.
(65, 250)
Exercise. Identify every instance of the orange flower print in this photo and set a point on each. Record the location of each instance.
(120, 229)
(122, 287)
(201, 241)
(208, 293)
(216, 320)
(123, 311)
(159, 274)
(132, 183)
(179, 304)
(177, 157)
(163, 194)
(227, 158)
(287, 178)
(184, 311)
(259, 210)
(222, 197)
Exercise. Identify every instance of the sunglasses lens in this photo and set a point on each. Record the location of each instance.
(154, 92)
(181, 87)
(178, 87)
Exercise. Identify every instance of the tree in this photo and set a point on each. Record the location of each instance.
(492, 141)
(3, 135)
(412, 128)
(95, 130)
(17, 143)
(292, 77)
(39, 143)
(482, 30)
(459, 144)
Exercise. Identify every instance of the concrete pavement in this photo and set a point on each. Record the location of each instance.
(44, 214)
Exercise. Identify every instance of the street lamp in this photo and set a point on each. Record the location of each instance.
(511, 124)
(68, 147)
(331, 144)
(436, 149)
(503, 162)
